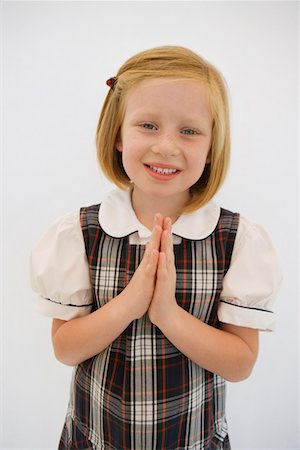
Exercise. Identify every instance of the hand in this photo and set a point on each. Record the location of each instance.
(163, 303)
(139, 291)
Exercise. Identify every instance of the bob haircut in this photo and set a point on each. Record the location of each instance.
(166, 62)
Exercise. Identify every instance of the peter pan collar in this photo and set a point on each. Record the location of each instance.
(117, 218)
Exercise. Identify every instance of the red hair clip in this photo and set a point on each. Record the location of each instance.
(111, 82)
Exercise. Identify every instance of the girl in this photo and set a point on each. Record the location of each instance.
(157, 294)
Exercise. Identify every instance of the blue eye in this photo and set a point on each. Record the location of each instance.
(148, 126)
(190, 131)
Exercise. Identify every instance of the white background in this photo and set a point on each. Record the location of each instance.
(56, 58)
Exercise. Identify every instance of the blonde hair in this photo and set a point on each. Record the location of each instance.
(166, 62)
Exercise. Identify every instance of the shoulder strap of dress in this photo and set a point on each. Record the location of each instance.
(228, 226)
(90, 226)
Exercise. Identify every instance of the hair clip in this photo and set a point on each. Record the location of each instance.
(111, 82)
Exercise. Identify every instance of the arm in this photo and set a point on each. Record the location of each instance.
(230, 351)
(81, 338)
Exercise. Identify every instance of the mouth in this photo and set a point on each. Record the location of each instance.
(165, 170)
(162, 171)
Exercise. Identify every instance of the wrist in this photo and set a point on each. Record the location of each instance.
(124, 309)
(169, 319)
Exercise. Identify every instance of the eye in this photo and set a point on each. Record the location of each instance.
(148, 126)
(190, 131)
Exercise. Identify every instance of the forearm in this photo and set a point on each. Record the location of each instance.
(215, 350)
(83, 337)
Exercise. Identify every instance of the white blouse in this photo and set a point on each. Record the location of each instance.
(59, 269)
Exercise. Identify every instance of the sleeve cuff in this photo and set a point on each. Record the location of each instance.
(246, 316)
(50, 308)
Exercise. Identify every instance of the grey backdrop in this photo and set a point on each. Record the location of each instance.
(56, 58)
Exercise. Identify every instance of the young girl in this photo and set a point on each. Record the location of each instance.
(157, 294)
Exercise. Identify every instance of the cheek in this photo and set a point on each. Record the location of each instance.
(198, 160)
(129, 157)
(133, 147)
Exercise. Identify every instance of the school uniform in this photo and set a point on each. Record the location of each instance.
(141, 392)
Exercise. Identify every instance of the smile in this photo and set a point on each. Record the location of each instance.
(162, 173)
(163, 170)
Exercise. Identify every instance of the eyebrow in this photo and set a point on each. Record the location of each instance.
(154, 115)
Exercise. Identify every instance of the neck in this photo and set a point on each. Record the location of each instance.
(146, 206)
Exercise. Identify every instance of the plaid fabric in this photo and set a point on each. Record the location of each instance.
(78, 441)
(72, 438)
(141, 393)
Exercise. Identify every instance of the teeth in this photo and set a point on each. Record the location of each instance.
(160, 170)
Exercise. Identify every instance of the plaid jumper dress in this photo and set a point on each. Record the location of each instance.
(141, 393)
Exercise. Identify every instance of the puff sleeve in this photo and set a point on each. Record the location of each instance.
(252, 281)
(59, 271)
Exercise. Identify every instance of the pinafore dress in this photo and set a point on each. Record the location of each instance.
(141, 392)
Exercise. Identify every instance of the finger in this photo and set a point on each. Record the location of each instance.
(158, 220)
(164, 241)
(155, 237)
(152, 263)
(167, 223)
(167, 246)
(154, 242)
(162, 271)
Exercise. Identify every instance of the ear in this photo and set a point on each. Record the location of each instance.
(208, 158)
(119, 144)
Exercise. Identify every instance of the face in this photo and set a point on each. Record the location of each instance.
(165, 137)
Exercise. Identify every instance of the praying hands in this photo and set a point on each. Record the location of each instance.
(152, 287)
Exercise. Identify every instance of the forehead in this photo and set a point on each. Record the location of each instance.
(163, 94)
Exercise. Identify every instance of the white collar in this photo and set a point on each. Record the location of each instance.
(117, 218)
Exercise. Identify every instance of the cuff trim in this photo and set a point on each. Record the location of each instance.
(246, 316)
(246, 307)
(68, 304)
(58, 310)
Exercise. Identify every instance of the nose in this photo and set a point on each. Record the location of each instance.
(166, 146)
